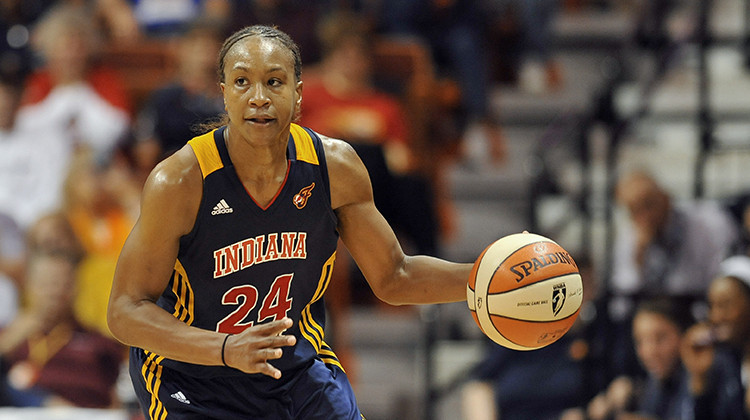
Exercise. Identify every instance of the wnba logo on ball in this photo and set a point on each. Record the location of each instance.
(558, 298)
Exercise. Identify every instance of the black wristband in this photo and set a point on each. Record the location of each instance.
(223, 346)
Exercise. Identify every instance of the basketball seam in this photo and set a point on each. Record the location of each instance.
(525, 320)
(485, 311)
(533, 320)
(487, 306)
(531, 284)
(516, 250)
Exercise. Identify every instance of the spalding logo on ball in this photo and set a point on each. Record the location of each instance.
(524, 291)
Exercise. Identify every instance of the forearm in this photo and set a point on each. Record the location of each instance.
(422, 280)
(145, 325)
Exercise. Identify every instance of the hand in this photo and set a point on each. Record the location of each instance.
(250, 350)
(620, 392)
(697, 351)
(598, 408)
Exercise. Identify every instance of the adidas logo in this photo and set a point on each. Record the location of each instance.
(221, 208)
(179, 396)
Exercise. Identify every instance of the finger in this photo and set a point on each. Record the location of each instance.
(272, 354)
(267, 369)
(277, 341)
(273, 327)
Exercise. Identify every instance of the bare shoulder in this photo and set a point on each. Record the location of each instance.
(174, 188)
(178, 171)
(350, 182)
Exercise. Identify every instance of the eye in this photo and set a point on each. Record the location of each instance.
(240, 81)
(274, 82)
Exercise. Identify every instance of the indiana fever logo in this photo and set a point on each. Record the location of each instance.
(300, 199)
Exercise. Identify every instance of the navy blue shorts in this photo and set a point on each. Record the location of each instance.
(317, 391)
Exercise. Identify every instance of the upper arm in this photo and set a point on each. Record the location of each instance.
(366, 234)
(169, 204)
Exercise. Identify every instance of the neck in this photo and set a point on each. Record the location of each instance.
(259, 162)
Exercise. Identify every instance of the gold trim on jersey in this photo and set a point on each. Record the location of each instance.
(205, 150)
(328, 357)
(209, 159)
(151, 372)
(184, 309)
(304, 145)
(311, 330)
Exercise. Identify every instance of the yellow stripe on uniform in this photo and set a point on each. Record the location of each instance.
(325, 278)
(153, 357)
(310, 329)
(205, 150)
(334, 362)
(329, 357)
(304, 145)
(151, 372)
(309, 335)
(184, 307)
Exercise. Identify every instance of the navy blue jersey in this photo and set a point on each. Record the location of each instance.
(243, 264)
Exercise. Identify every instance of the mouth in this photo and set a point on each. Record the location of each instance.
(260, 120)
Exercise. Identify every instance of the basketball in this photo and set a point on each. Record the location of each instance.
(524, 291)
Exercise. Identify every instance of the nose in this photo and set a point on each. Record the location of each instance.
(257, 95)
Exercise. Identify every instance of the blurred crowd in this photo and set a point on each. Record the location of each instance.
(79, 133)
(665, 336)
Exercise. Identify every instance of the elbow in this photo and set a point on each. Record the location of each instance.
(116, 323)
(390, 298)
(388, 291)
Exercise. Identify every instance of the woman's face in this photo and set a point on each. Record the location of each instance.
(729, 311)
(261, 94)
(657, 343)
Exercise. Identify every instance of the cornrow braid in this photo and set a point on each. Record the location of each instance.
(264, 32)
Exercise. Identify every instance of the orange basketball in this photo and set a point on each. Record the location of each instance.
(524, 291)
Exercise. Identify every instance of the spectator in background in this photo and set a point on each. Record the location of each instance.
(667, 248)
(118, 21)
(16, 184)
(83, 101)
(11, 268)
(16, 19)
(173, 112)
(342, 101)
(541, 384)
(453, 30)
(33, 161)
(659, 325)
(167, 19)
(670, 247)
(539, 72)
(51, 359)
(101, 205)
(297, 18)
(717, 353)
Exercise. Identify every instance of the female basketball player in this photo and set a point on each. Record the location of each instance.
(218, 288)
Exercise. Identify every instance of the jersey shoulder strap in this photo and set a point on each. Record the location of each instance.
(204, 147)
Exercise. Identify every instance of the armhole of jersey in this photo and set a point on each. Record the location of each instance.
(317, 145)
(205, 150)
